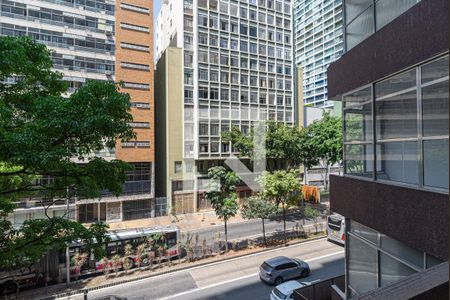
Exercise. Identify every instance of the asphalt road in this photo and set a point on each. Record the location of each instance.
(233, 279)
(251, 228)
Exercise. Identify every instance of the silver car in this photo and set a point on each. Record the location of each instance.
(281, 268)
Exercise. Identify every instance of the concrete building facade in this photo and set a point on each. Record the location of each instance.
(98, 40)
(237, 68)
(393, 82)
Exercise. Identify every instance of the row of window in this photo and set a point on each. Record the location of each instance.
(244, 114)
(58, 17)
(232, 8)
(238, 62)
(411, 120)
(80, 63)
(91, 5)
(363, 16)
(243, 47)
(234, 78)
(240, 96)
(376, 260)
(58, 39)
(139, 144)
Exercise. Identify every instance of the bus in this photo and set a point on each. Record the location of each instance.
(336, 228)
(54, 265)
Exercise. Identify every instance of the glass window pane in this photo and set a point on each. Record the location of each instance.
(435, 163)
(355, 7)
(396, 84)
(392, 270)
(397, 116)
(401, 251)
(398, 161)
(358, 160)
(435, 109)
(365, 232)
(360, 28)
(435, 70)
(358, 123)
(362, 266)
(388, 10)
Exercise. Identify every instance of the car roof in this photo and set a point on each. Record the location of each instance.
(289, 286)
(275, 261)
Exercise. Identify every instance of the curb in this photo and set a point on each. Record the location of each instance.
(81, 291)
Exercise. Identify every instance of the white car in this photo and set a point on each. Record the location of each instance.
(285, 290)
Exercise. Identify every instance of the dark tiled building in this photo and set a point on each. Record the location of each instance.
(393, 81)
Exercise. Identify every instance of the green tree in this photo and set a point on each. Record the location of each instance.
(41, 132)
(282, 188)
(325, 138)
(257, 207)
(311, 212)
(221, 192)
(285, 144)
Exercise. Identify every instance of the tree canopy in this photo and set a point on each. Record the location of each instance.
(221, 191)
(42, 134)
(284, 143)
(325, 137)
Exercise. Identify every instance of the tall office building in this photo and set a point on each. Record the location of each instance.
(233, 66)
(102, 40)
(318, 31)
(393, 81)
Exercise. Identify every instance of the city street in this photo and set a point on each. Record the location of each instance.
(252, 228)
(233, 279)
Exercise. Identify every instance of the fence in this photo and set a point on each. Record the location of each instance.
(323, 290)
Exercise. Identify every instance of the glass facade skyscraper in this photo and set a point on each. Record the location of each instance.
(318, 31)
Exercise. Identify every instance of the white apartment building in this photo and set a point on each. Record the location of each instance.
(237, 68)
(100, 40)
(318, 33)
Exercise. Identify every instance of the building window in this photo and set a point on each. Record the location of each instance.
(134, 8)
(134, 27)
(138, 86)
(135, 66)
(178, 167)
(410, 148)
(143, 48)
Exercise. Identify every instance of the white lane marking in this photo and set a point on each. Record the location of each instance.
(239, 278)
(205, 266)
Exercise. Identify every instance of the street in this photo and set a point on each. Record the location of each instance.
(252, 228)
(232, 279)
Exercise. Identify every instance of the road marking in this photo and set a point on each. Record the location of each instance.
(239, 278)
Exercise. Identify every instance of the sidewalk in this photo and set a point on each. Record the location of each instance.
(185, 222)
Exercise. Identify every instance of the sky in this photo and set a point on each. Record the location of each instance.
(156, 8)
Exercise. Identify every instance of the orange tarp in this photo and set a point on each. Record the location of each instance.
(311, 191)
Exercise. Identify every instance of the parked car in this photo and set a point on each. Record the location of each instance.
(285, 290)
(281, 268)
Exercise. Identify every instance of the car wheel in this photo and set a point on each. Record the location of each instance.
(278, 280)
(305, 273)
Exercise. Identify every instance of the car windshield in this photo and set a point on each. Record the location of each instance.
(266, 267)
(279, 294)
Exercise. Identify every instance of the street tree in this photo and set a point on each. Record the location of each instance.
(311, 212)
(324, 136)
(258, 207)
(42, 131)
(221, 192)
(282, 188)
(286, 146)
